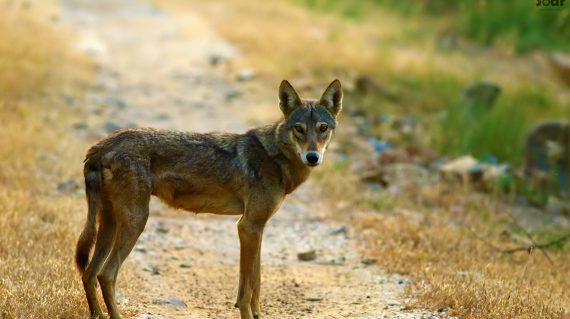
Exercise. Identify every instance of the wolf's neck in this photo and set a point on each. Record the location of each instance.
(276, 142)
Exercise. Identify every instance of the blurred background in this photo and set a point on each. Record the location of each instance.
(451, 164)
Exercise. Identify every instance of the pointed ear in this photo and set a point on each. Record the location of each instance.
(288, 98)
(332, 98)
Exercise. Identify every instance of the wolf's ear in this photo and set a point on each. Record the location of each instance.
(332, 98)
(288, 98)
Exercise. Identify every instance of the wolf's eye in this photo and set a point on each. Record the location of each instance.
(299, 128)
(323, 128)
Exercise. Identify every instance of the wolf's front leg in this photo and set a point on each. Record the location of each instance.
(255, 306)
(250, 245)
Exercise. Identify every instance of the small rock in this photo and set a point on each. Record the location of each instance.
(216, 58)
(161, 229)
(111, 127)
(340, 231)
(402, 281)
(69, 100)
(232, 95)
(308, 255)
(558, 206)
(561, 65)
(246, 75)
(369, 261)
(481, 96)
(460, 168)
(185, 266)
(365, 84)
(162, 116)
(548, 151)
(314, 298)
(442, 309)
(80, 126)
(140, 248)
(333, 262)
(379, 146)
(399, 175)
(68, 186)
(116, 102)
(152, 269)
(171, 301)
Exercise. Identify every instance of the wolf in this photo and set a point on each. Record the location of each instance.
(246, 174)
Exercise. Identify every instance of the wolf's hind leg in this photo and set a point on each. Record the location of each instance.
(131, 220)
(103, 243)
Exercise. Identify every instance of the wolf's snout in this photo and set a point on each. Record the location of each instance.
(312, 158)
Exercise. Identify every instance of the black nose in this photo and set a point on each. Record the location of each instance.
(313, 157)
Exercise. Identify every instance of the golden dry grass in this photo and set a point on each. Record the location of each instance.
(431, 235)
(450, 245)
(38, 224)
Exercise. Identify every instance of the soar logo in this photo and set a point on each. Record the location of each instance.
(550, 3)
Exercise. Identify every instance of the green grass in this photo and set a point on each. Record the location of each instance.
(520, 23)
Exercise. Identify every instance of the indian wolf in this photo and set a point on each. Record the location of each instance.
(246, 174)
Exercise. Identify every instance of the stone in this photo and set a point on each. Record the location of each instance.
(116, 102)
(152, 269)
(459, 168)
(547, 151)
(161, 229)
(340, 231)
(314, 298)
(399, 175)
(68, 186)
(368, 261)
(171, 301)
(216, 58)
(480, 97)
(379, 146)
(365, 84)
(140, 248)
(111, 127)
(232, 95)
(560, 63)
(245, 75)
(80, 126)
(307, 255)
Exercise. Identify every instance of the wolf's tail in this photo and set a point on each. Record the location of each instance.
(93, 188)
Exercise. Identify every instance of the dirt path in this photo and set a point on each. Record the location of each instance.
(154, 71)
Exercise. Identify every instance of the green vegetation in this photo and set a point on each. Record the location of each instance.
(520, 24)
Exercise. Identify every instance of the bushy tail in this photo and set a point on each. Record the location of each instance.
(87, 237)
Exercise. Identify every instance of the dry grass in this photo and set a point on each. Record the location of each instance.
(450, 245)
(39, 225)
(431, 235)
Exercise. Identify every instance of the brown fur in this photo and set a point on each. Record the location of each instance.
(231, 174)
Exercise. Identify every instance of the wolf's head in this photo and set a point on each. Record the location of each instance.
(310, 123)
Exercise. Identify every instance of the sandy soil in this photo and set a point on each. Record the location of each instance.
(154, 70)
